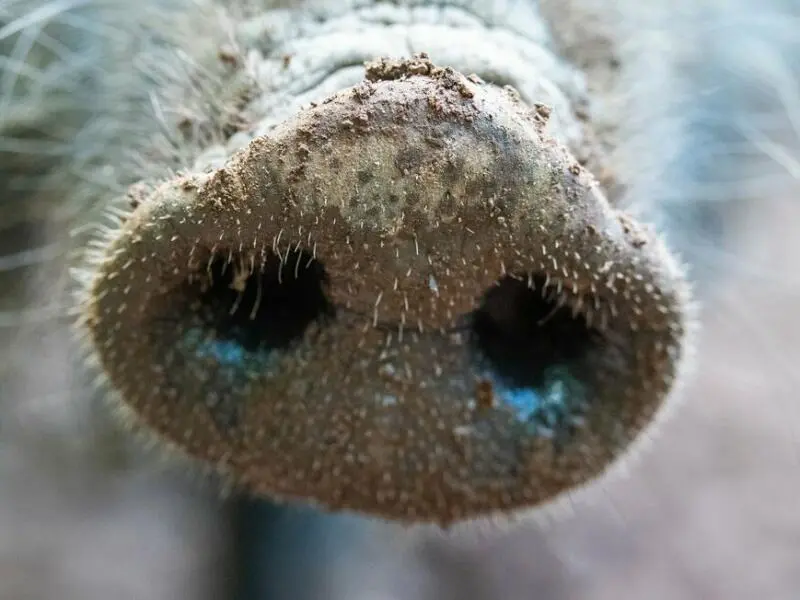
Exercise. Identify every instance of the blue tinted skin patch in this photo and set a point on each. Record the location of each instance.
(524, 402)
(225, 352)
(557, 403)
(223, 370)
(228, 354)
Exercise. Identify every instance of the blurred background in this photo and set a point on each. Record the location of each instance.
(709, 512)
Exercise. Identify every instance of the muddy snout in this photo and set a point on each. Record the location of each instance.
(408, 301)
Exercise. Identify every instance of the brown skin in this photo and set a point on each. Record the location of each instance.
(367, 231)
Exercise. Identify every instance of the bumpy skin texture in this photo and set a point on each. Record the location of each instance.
(207, 81)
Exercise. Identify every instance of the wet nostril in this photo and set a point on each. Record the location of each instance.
(232, 320)
(262, 303)
(521, 328)
(532, 342)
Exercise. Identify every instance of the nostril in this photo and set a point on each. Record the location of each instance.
(523, 326)
(257, 303)
(232, 321)
(533, 343)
